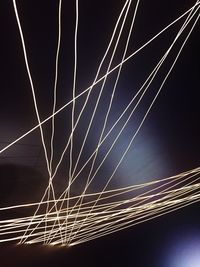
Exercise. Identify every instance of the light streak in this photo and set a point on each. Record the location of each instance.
(54, 102)
(71, 220)
(99, 80)
(173, 64)
(73, 109)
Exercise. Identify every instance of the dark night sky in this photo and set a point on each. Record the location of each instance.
(169, 142)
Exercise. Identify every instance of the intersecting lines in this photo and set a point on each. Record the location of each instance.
(78, 211)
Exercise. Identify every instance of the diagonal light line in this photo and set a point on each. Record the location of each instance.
(193, 186)
(142, 197)
(150, 191)
(149, 82)
(151, 202)
(103, 85)
(91, 88)
(132, 187)
(144, 118)
(162, 204)
(99, 80)
(62, 228)
(33, 91)
(130, 224)
(138, 204)
(143, 211)
(83, 108)
(111, 100)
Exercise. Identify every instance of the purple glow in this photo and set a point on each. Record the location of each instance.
(185, 252)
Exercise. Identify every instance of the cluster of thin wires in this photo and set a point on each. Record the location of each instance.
(116, 210)
(68, 219)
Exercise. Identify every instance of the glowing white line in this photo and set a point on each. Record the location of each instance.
(144, 118)
(82, 110)
(31, 82)
(98, 81)
(112, 218)
(73, 109)
(55, 100)
(111, 100)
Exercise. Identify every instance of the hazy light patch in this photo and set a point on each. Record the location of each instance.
(147, 160)
(185, 252)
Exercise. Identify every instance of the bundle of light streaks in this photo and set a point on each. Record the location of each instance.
(70, 219)
(116, 210)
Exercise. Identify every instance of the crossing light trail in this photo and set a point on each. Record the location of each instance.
(78, 212)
